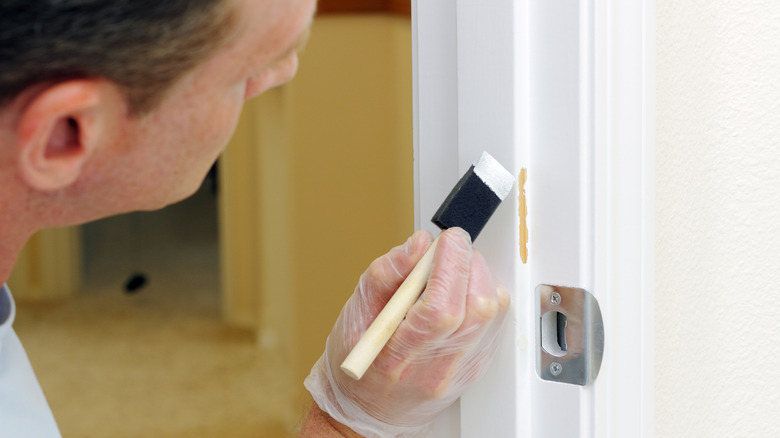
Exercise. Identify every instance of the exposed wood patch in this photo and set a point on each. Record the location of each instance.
(523, 213)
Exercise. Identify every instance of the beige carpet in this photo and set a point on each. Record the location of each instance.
(157, 363)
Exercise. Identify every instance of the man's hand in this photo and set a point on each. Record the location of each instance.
(443, 345)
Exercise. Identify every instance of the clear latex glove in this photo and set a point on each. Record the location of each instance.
(442, 347)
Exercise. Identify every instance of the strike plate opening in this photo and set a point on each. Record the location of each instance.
(569, 335)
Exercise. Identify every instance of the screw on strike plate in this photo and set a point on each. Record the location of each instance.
(556, 369)
(555, 298)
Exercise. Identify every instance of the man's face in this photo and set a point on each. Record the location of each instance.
(165, 155)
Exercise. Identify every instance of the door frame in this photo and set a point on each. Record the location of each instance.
(564, 90)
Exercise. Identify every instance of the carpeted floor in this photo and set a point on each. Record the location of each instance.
(157, 362)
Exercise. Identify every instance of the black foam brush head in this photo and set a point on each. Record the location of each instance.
(475, 197)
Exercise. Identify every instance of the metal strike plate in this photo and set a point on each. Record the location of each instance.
(569, 335)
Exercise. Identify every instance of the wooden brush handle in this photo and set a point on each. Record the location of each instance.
(379, 332)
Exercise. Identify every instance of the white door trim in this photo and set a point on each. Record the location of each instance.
(566, 91)
(624, 215)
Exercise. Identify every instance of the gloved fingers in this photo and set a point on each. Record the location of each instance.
(478, 339)
(486, 304)
(482, 304)
(439, 311)
(375, 288)
(459, 359)
(442, 306)
(385, 274)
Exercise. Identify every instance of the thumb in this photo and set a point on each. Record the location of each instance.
(385, 274)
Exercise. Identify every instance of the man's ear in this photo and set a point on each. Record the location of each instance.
(61, 127)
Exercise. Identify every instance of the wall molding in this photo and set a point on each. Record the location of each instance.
(392, 7)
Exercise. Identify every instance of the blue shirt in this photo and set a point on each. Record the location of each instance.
(24, 412)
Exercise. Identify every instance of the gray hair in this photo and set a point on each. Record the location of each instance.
(143, 46)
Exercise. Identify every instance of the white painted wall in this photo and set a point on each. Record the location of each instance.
(717, 314)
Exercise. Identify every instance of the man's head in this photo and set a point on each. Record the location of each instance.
(141, 46)
(116, 105)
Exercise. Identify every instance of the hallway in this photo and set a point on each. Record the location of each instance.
(157, 362)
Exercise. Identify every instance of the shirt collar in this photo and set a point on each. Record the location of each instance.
(6, 306)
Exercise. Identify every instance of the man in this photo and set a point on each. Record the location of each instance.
(108, 106)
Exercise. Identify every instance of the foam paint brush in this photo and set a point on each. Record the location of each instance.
(469, 206)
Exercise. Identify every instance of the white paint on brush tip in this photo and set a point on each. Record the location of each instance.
(494, 175)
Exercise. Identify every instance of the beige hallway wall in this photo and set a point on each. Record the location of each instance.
(318, 182)
(49, 268)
